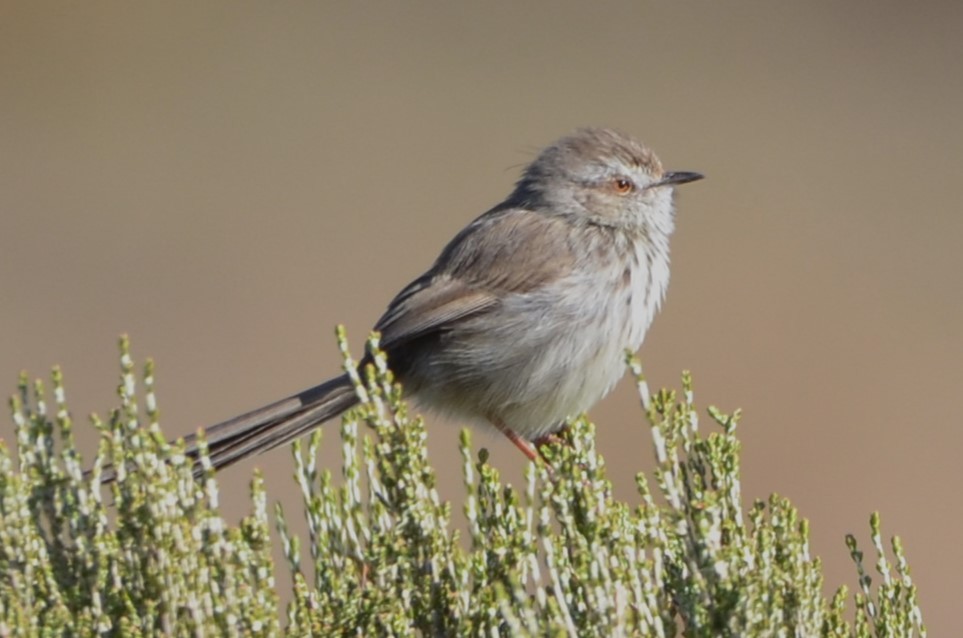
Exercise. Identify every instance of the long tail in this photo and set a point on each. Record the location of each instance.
(268, 427)
(275, 424)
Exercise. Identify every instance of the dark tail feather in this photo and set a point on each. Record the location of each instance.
(268, 427)
(275, 424)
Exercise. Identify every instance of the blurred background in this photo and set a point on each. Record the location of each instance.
(227, 181)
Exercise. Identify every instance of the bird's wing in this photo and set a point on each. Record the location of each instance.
(505, 251)
(429, 304)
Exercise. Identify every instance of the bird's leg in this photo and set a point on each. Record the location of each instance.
(523, 444)
(552, 438)
(520, 443)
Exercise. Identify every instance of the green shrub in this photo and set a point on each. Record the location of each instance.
(560, 557)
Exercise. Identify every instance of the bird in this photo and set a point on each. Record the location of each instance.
(524, 318)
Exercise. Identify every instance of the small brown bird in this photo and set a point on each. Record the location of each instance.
(523, 319)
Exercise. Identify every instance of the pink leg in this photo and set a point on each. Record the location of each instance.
(525, 446)
(548, 439)
(519, 442)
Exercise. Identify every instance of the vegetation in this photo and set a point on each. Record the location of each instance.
(150, 554)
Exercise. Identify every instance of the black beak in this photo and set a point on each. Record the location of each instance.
(678, 177)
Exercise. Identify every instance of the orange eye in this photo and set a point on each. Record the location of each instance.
(623, 185)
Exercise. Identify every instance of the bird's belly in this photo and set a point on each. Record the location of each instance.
(536, 361)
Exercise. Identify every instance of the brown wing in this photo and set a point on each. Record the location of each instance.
(504, 251)
(427, 305)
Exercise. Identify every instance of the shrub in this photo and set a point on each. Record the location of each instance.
(559, 557)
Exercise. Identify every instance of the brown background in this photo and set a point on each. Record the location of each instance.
(221, 179)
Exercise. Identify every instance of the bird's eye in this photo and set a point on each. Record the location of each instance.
(622, 185)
